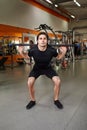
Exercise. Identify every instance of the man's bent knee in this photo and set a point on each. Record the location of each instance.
(56, 80)
(31, 81)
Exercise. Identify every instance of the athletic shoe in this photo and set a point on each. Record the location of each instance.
(58, 104)
(30, 104)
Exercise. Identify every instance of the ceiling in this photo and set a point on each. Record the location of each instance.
(68, 8)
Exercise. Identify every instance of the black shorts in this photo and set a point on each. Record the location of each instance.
(50, 72)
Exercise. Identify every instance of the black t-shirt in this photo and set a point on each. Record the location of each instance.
(42, 58)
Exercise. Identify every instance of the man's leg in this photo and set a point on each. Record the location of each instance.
(31, 81)
(57, 82)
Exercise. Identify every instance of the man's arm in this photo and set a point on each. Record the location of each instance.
(61, 53)
(22, 53)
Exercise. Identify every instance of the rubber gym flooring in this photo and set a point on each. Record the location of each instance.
(44, 116)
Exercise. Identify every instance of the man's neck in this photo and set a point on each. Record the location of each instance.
(42, 48)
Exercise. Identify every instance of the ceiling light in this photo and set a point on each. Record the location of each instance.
(49, 1)
(72, 16)
(56, 5)
(77, 3)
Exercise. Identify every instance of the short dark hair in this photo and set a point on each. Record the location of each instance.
(42, 33)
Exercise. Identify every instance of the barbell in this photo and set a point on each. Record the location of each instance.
(22, 44)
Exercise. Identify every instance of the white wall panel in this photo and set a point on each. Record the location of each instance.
(20, 14)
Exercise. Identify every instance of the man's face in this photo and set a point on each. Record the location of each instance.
(42, 40)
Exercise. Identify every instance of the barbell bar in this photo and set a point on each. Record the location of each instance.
(22, 44)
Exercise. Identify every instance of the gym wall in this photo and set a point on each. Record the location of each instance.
(25, 15)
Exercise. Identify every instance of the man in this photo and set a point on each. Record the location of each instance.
(42, 54)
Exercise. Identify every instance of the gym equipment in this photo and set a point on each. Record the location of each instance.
(67, 37)
(22, 44)
(45, 28)
(55, 41)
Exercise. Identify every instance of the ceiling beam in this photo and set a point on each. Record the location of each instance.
(82, 27)
(62, 1)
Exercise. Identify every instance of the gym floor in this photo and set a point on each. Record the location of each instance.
(44, 116)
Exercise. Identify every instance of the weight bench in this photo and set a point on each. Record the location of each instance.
(2, 62)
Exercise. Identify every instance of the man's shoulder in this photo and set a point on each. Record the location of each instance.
(51, 47)
(34, 47)
(32, 50)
